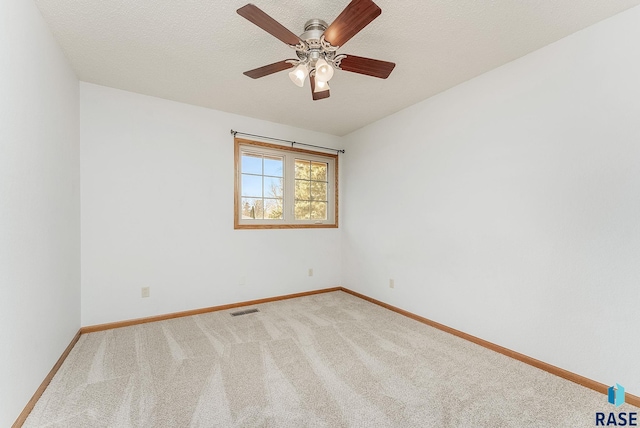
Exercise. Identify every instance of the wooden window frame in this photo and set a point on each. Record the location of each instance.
(238, 223)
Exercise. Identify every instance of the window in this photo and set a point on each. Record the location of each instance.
(281, 187)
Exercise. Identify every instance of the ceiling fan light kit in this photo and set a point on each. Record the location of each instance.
(316, 47)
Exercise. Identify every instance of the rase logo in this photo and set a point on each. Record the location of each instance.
(615, 396)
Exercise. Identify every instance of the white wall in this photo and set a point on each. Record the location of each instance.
(509, 207)
(157, 211)
(39, 205)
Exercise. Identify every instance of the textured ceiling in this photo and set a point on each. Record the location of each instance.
(195, 51)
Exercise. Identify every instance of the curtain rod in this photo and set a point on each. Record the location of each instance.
(234, 133)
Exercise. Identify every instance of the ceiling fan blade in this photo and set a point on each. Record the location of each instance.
(357, 15)
(268, 69)
(252, 13)
(317, 95)
(368, 66)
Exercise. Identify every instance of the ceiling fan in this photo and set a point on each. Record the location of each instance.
(317, 47)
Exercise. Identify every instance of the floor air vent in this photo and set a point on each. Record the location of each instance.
(248, 311)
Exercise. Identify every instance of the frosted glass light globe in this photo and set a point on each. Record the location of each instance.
(298, 75)
(321, 85)
(324, 71)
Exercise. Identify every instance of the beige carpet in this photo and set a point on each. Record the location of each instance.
(329, 360)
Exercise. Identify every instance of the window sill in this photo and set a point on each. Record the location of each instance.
(285, 226)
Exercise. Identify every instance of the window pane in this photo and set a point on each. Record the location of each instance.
(318, 210)
(251, 185)
(273, 208)
(273, 187)
(302, 210)
(303, 169)
(252, 208)
(251, 164)
(280, 187)
(302, 190)
(318, 191)
(273, 166)
(319, 171)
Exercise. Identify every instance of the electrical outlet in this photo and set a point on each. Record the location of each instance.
(392, 283)
(310, 271)
(146, 291)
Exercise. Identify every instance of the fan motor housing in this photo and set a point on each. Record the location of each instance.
(313, 29)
